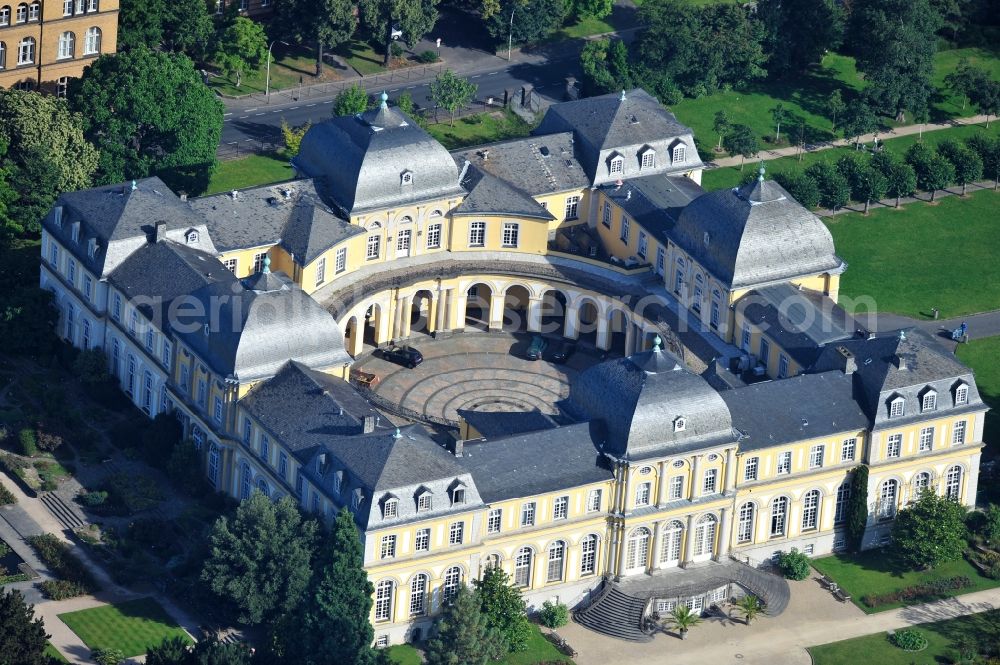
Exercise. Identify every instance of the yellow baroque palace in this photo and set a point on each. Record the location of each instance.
(735, 403)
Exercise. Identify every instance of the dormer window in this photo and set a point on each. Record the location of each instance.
(57, 214)
(679, 153)
(191, 237)
(338, 481)
(680, 424)
(356, 499)
(76, 232)
(406, 178)
(458, 495)
(929, 400)
(617, 165)
(424, 502)
(707, 238)
(92, 247)
(961, 394)
(648, 159)
(390, 508)
(896, 407)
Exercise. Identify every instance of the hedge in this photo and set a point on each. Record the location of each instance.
(74, 578)
(918, 591)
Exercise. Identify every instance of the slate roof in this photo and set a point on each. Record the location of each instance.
(627, 123)
(531, 464)
(536, 165)
(489, 195)
(359, 161)
(801, 407)
(879, 379)
(638, 399)
(496, 424)
(311, 230)
(801, 321)
(756, 234)
(654, 201)
(119, 219)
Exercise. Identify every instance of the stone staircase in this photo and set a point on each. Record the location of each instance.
(65, 513)
(616, 614)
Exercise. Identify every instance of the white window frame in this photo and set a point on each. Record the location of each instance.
(648, 159)
(572, 207)
(92, 41)
(675, 490)
(643, 492)
(340, 261)
(434, 236)
(477, 234)
(848, 450)
(321, 271)
(456, 533)
(494, 520)
(422, 540)
(560, 508)
(387, 549)
(66, 46)
(594, 501)
(511, 234)
(710, 482)
(925, 440)
(626, 229)
(616, 165)
(897, 407)
(929, 401)
(816, 456)
(373, 246)
(784, 463)
(528, 514)
(750, 469)
(894, 446)
(958, 432)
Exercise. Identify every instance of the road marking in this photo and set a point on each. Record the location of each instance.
(244, 116)
(256, 114)
(394, 90)
(292, 108)
(251, 110)
(225, 114)
(493, 73)
(329, 101)
(308, 105)
(410, 87)
(476, 76)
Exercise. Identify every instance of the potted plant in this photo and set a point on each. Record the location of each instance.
(750, 607)
(682, 619)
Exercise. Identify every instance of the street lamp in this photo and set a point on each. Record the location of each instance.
(267, 78)
(510, 35)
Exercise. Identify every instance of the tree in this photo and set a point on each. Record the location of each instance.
(988, 150)
(463, 636)
(22, 635)
(260, 560)
(414, 18)
(802, 187)
(866, 182)
(963, 80)
(582, 9)
(857, 509)
(242, 47)
(175, 651)
(553, 615)
(140, 23)
(794, 564)
(701, 48)
(968, 165)
(721, 125)
(939, 174)
(986, 97)
(171, 651)
(749, 606)
(991, 525)
(293, 137)
(741, 141)
(900, 178)
(683, 619)
(188, 28)
(605, 67)
(835, 104)
(452, 92)
(894, 44)
(800, 32)
(834, 190)
(324, 23)
(149, 112)
(504, 610)
(352, 100)
(778, 114)
(107, 656)
(929, 532)
(859, 120)
(46, 153)
(533, 20)
(331, 624)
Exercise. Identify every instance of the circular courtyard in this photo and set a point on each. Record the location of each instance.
(476, 372)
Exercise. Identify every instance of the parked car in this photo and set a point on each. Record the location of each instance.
(562, 351)
(407, 356)
(538, 345)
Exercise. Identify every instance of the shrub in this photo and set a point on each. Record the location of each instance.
(62, 589)
(71, 571)
(924, 592)
(396, 50)
(107, 656)
(794, 565)
(48, 438)
(6, 497)
(94, 499)
(553, 615)
(28, 442)
(428, 57)
(910, 639)
(4, 549)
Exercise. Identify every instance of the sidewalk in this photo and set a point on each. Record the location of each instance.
(906, 130)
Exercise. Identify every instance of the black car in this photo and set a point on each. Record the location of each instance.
(406, 356)
(562, 351)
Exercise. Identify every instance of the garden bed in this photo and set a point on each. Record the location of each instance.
(73, 577)
(10, 563)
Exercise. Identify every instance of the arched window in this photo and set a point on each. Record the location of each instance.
(418, 595)
(810, 510)
(588, 555)
(22, 12)
(921, 482)
(92, 41)
(704, 536)
(213, 464)
(887, 499)
(953, 483)
(5, 15)
(492, 561)
(383, 600)
(264, 488)
(557, 556)
(245, 480)
(522, 567)
(670, 546)
(452, 580)
(34, 11)
(744, 529)
(66, 43)
(637, 556)
(779, 516)
(26, 51)
(843, 496)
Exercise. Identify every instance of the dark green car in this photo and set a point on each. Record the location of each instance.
(538, 344)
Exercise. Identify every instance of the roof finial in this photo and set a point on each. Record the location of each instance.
(385, 99)
(134, 186)
(623, 95)
(760, 172)
(657, 342)
(397, 434)
(902, 335)
(267, 264)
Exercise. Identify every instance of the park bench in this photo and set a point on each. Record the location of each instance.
(841, 595)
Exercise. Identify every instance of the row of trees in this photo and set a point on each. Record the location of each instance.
(871, 177)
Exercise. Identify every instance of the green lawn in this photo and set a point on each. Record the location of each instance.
(923, 256)
(478, 129)
(248, 172)
(983, 356)
(360, 55)
(729, 176)
(53, 654)
(540, 650)
(289, 66)
(873, 572)
(944, 638)
(585, 27)
(132, 627)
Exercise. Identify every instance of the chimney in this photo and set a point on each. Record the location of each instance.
(159, 231)
(457, 446)
(183, 195)
(369, 424)
(850, 362)
(899, 361)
